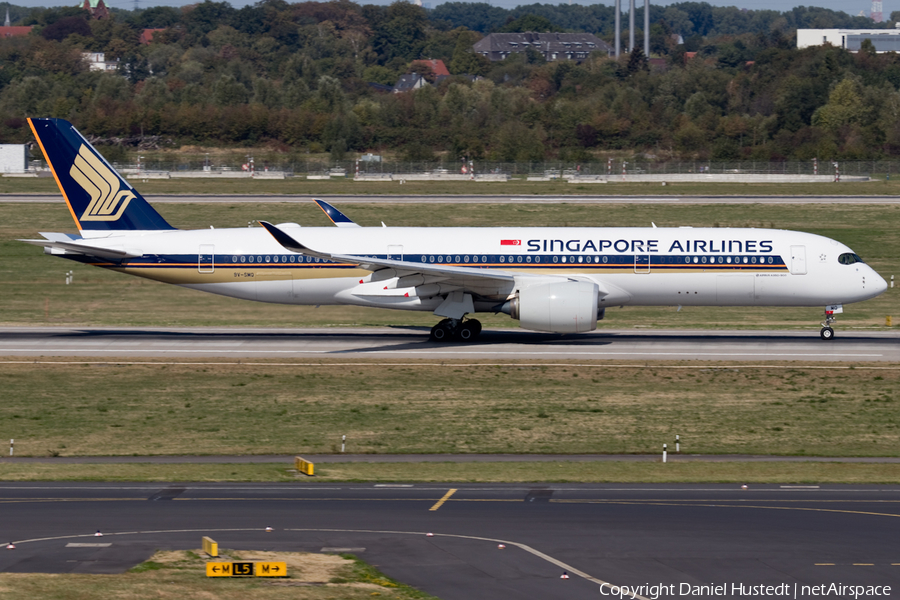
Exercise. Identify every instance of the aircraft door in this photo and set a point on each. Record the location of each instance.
(395, 252)
(641, 263)
(798, 260)
(206, 258)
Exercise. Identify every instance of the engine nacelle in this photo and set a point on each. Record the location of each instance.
(560, 307)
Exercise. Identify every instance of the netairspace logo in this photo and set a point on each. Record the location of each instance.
(794, 591)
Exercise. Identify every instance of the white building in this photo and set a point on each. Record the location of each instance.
(884, 40)
(97, 61)
(13, 158)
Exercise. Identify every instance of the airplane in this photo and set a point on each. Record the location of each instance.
(551, 279)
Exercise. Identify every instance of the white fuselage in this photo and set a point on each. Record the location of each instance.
(632, 266)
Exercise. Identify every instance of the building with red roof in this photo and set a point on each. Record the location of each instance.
(147, 36)
(437, 66)
(11, 31)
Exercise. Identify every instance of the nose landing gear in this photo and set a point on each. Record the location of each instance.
(827, 332)
(456, 330)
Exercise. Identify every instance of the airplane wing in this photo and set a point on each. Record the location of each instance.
(461, 276)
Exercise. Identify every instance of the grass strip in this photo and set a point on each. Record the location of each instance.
(296, 407)
(450, 472)
(181, 574)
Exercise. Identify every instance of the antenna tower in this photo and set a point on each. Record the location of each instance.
(877, 14)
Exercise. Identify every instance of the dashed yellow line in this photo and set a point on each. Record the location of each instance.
(446, 497)
(824, 564)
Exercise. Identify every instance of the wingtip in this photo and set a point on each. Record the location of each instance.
(284, 239)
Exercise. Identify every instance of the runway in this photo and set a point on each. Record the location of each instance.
(479, 199)
(634, 535)
(413, 343)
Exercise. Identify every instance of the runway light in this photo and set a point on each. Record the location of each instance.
(429, 535)
(744, 487)
(564, 575)
(10, 546)
(98, 534)
(269, 529)
(501, 546)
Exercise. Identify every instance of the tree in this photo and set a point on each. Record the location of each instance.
(330, 95)
(636, 62)
(157, 17)
(586, 135)
(844, 107)
(477, 16)
(465, 60)
(65, 27)
(530, 22)
(228, 91)
(402, 33)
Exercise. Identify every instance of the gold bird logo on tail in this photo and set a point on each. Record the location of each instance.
(108, 200)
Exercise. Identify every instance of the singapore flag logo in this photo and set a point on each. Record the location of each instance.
(510, 242)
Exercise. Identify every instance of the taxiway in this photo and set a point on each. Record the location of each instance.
(598, 534)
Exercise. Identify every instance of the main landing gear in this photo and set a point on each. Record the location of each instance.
(827, 332)
(456, 330)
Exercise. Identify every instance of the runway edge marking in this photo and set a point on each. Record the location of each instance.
(525, 547)
(521, 546)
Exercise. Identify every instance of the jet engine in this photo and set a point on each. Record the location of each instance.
(559, 307)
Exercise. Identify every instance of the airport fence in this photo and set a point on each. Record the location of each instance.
(545, 169)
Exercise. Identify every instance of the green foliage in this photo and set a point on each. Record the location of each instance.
(379, 74)
(465, 60)
(295, 75)
(844, 107)
(418, 152)
(530, 22)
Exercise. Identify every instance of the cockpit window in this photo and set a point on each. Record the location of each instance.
(848, 258)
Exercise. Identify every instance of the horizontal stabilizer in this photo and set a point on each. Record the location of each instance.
(80, 248)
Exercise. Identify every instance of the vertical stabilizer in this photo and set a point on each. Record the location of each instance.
(98, 197)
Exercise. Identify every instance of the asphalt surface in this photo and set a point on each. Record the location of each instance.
(674, 535)
(481, 199)
(413, 343)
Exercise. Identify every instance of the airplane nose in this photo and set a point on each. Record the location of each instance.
(879, 284)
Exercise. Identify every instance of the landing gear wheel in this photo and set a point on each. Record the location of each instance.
(468, 331)
(441, 332)
(476, 325)
(827, 332)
